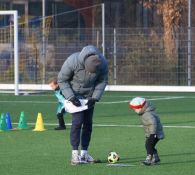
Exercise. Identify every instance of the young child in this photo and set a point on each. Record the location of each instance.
(152, 127)
(60, 109)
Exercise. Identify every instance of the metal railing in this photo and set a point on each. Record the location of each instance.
(136, 56)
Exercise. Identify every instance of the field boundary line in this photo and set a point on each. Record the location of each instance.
(125, 126)
(111, 102)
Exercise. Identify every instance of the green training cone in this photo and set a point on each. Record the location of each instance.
(3, 125)
(22, 122)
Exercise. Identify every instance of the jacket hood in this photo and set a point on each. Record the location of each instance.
(148, 107)
(86, 52)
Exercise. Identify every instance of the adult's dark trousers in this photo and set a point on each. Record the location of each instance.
(150, 144)
(81, 129)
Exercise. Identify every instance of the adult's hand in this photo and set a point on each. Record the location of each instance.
(91, 102)
(75, 101)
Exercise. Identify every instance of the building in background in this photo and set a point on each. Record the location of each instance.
(118, 13)
(30, 10)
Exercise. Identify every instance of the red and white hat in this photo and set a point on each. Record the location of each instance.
(137, 103)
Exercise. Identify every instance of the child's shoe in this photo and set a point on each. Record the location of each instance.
(155, 158)
(148, 160)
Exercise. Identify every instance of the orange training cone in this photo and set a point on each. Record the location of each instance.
(39, 126)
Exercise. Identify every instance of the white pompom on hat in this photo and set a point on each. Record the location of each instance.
(137, 103)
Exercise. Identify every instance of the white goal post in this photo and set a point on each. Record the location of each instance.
(16, 86)
(16, 57)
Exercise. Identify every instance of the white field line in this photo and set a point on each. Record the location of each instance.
(115, 125)
(112, 102)
(39, 102)
(151, 99)
(109, 125)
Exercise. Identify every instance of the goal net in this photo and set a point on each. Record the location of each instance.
(135, 55)
(9, 60)
(44, 44)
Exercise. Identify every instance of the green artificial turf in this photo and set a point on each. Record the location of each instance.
(24, 152)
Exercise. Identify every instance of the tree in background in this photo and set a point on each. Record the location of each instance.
(172, 12)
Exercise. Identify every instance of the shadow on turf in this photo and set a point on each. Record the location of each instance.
(177, 162)
(138, 159)
(173, 155)
(176, 154)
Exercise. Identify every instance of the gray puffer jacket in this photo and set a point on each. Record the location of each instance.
(151, 121)
(74, 80)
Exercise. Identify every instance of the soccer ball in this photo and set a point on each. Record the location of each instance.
(113, 157)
